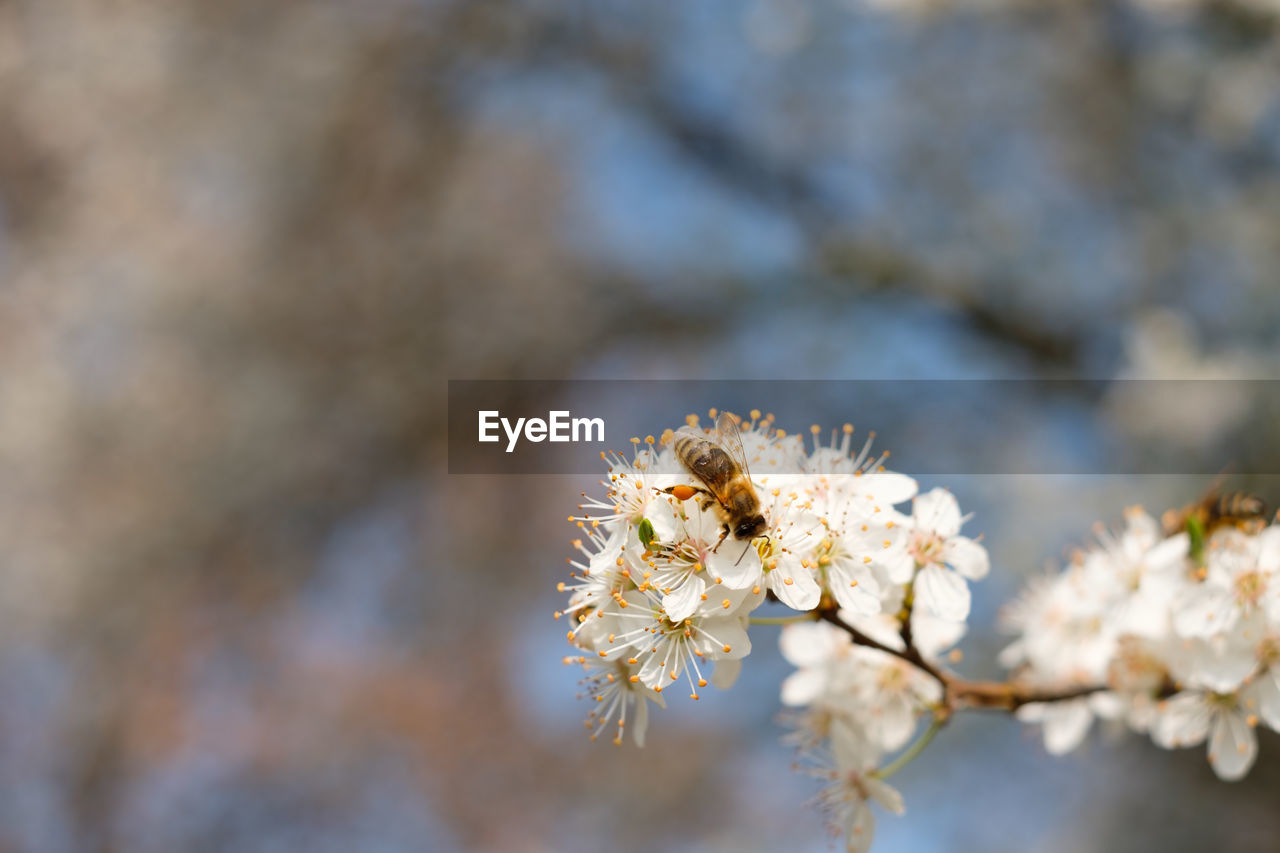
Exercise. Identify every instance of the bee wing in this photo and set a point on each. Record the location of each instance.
(730, 440)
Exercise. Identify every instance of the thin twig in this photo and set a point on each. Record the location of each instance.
(959, 693)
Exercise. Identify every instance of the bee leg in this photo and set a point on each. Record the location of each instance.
(685, 492)
(724, 531)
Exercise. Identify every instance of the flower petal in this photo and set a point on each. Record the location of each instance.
(682, 601)
(967, 557)
(943, 593)
(861, 827)
(884, 794)
(1066, 725)
(797, 589)
(736, 564)
(724, 638)
(1183, 721)
(726, 673)
(888, 487)
(854, 588)
(937, 510)
(1233, 745)
(1266, 692)
(803, 687)
(807, 644)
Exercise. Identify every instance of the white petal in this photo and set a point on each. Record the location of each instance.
(1220, 664)
(892, 722)
(640, 722)
(726, 673)
(736, 563)
(882, 627)
(1204, 610)
(682, 601)
(938, 511)
(652, 670)
(1012, 655)
(861, 828)
(884, 794)
(1266, 692)
(1066, 725)
(933, 636)
(803, 687)
(1168, 554)
(724, 639)
(809, 644)
(888, 487)
(662, 514)
(1233, 745)
(1183, 721)
(1269, 549)
(943, 592)
(898, 564)
(854, 591)
(802, 593)
(967, 557)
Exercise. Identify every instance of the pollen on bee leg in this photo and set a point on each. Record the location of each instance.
(683, 493)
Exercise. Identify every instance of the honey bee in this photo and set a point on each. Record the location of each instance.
(1216, 510)
(720, 463)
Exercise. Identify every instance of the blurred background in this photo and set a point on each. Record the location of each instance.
(244, 245)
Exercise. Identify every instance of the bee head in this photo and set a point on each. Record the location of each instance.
(750, 527)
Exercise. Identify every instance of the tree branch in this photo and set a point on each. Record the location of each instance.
(958, 693)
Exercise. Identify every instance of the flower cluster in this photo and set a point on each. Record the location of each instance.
(662, 594)
(1183, 631)
(1170, 628)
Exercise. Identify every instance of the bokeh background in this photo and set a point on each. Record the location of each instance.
(244, 245)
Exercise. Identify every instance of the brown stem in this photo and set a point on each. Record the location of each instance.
(910, 654)
(1009, 695)
(958, 693)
